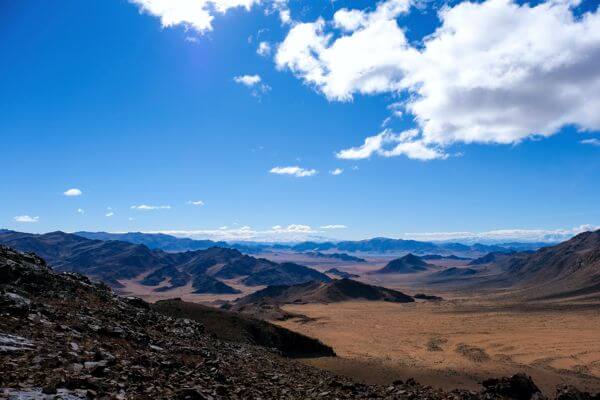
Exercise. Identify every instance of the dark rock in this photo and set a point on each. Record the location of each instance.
(572, 393)
(191, 394)
(14, 303)
(518, 387)
(136, 302)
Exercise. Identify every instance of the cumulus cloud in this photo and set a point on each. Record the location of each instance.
(198, 203)
(194, 14)
(264, 49)
(294, 171)
(26, 219)
(145, 207)
(337, 171)
(72, 192)
(593, 141)
(492, 72)
(334, 226)
(389, 144)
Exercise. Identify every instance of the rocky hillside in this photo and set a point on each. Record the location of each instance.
(569, 269)
(112, 261)
(239, 328)
(62, 336)
(408, 264)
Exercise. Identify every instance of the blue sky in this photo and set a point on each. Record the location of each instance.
(104, 97)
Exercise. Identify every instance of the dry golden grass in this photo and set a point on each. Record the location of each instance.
(455, 344)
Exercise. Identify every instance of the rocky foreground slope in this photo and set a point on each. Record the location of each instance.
(62, 336)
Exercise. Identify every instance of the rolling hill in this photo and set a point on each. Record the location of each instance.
(322, 292)
(113, 261)
(409, 264)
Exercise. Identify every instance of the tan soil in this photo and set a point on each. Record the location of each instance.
(379, 342)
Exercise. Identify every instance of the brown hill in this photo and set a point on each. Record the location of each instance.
(408, 264)
(569, 269)
(323, 292)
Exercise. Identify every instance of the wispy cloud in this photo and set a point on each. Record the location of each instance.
(247, 80)
(337, 171)
(293, 171)
(335, 226)
(294, 228)
(593, 141)
(72, 192)
(145, 207)
(26, 219)
(503, 235)
(81, 211)
(390, 144)
(109, 214)
(254, 82)
(198, 203)
(283, 233)
(264, 49)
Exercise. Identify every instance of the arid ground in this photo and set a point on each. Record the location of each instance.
(449, 344)
(455, 343)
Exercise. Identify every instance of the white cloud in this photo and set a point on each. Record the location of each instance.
(195, 14)
(294, 228)
(294, 171)
(334, 226)
(247, 80)
(337, 171)
(145, 207)
(389, 144)
(492, 72)
(73, 192)
(26, 219)
(593, 141)
(504, 235)
(196, 203)
(109, 214)
(365, 59)
(264, 49)
(253, 82)
(81, 211)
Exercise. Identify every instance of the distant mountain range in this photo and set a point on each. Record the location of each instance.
(113, 260)
(377, 245)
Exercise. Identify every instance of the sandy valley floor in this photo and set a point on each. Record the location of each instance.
(451, 343)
